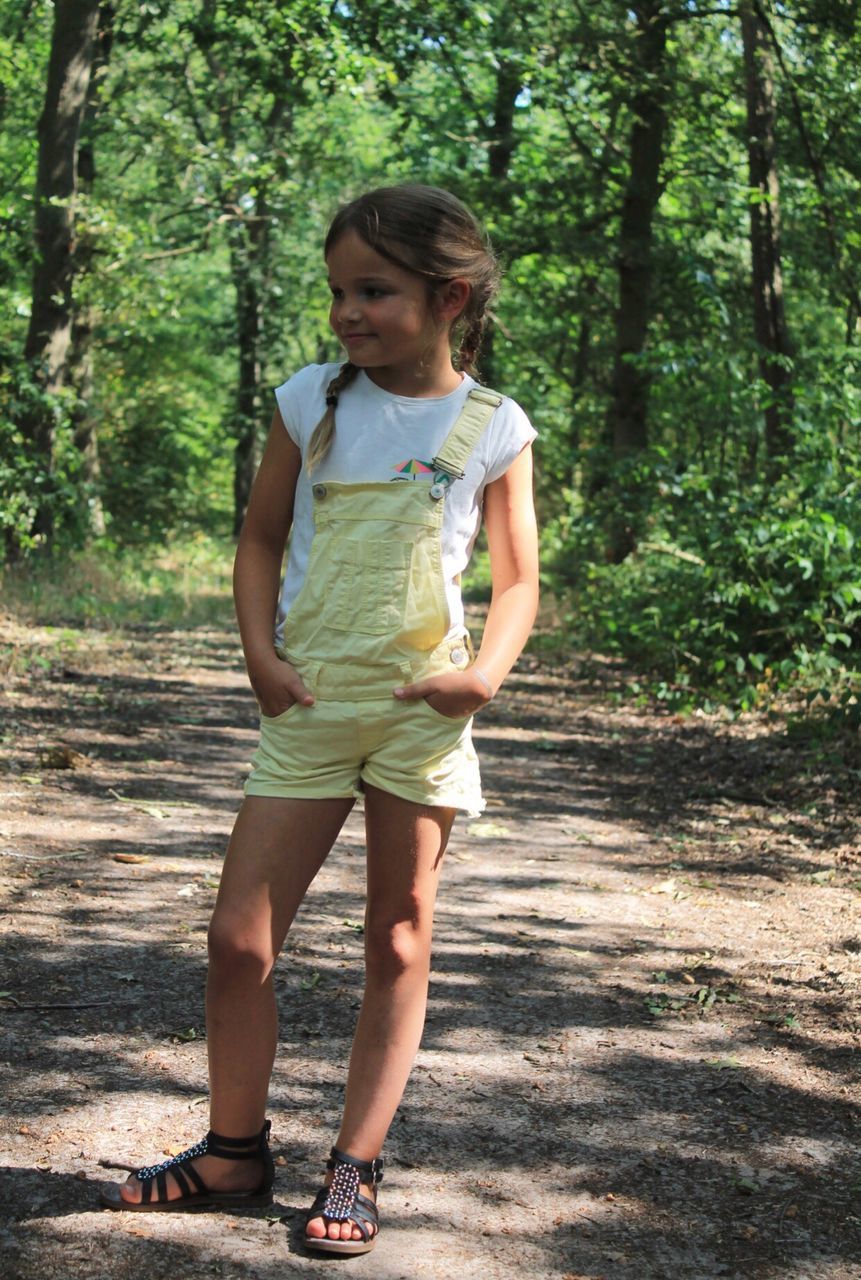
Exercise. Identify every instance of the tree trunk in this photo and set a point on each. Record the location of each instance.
(245, 257)
(770, 328)
(81, 371)
(503, 143)
(628, 413)
(49, 333)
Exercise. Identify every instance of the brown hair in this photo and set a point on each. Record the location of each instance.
(427, 231)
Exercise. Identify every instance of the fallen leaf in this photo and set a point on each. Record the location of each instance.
(664, 886)
(130, 857)
(487, 830)
(61, 756)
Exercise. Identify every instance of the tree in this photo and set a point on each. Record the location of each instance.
(50, 329)
(770, 326)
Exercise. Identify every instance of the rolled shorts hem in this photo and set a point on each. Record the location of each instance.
(471, 807)
(290, 791)
(437, 799)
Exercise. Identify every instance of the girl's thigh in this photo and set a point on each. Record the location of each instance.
(276, 849)
(405, 847)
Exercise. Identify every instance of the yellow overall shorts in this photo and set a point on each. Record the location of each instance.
(370, 615)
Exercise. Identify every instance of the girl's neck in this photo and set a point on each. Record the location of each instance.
(427, 380)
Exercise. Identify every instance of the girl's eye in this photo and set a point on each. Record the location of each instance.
(337, 294)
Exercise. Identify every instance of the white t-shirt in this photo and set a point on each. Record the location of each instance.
(380, 436)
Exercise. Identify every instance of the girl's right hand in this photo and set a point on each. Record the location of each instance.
(277, 686)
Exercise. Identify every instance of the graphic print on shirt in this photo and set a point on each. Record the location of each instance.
(412, 467)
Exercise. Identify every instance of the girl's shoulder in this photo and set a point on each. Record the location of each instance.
(302, 399)
(509, 432)
(308, 383)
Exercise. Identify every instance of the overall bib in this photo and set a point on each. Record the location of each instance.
(371, 615)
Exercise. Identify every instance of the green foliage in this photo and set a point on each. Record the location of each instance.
(109, 586)
(735, 593)
(223, 137)
(24, 479)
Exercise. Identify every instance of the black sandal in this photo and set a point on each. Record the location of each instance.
(342, 1202)
(181, 1169)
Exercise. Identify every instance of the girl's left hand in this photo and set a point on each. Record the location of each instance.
(457, 695)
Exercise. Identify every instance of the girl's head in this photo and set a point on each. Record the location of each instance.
(428, 232)
(430, 235)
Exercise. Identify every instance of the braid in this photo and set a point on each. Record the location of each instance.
(470, 343)
(324, 432)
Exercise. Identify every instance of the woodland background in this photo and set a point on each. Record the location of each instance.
(673, 187)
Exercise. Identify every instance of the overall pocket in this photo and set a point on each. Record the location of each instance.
(367, 592)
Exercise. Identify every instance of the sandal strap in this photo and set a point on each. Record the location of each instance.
(151, 1171)
(214, 1144)
(237, 1148)
(373, 1169)
(342, 1201)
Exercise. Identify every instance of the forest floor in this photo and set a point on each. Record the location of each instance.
(642, 1048)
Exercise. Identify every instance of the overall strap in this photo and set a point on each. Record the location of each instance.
(480, 406)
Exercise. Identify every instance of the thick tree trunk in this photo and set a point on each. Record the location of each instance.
(628, 413)
(769, 316)
(49, 333)
(81, 371)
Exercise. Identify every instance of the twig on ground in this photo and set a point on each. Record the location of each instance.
(87, 1004)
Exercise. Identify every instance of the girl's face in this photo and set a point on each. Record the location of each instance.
(382, 313)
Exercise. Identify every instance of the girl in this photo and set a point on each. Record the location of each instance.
(370, 684)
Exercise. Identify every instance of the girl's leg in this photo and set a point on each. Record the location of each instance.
(405, 844)
(276, 849)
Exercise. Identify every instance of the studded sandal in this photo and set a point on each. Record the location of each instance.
(184, 1173)
(341, 1201)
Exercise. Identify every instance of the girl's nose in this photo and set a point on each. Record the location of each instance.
(349, 309)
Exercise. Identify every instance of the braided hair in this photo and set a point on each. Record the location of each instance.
(429, 232)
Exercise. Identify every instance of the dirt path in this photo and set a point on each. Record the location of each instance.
(641, 1054)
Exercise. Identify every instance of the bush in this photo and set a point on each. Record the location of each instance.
(732, 595)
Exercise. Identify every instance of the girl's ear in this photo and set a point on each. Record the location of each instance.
(452, 298)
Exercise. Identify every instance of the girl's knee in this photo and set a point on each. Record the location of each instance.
(396, 946)
(235, 949)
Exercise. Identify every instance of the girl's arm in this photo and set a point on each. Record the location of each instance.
(509, 517)
(257, 572)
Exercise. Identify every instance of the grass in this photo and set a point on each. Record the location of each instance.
(66, 611)
(184, 585)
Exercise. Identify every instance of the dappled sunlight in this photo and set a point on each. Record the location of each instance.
(640, 1007)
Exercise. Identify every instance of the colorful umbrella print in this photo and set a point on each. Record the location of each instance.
(414, 467)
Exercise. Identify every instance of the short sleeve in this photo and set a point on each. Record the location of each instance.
(301, 400)
(509, 434)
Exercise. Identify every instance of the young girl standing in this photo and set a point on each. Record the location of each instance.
(380, 469)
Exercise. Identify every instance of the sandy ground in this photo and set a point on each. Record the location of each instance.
(641, 1056)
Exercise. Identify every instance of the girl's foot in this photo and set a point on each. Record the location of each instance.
(343, 1217)
(321, 1228)
(231, 1172)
